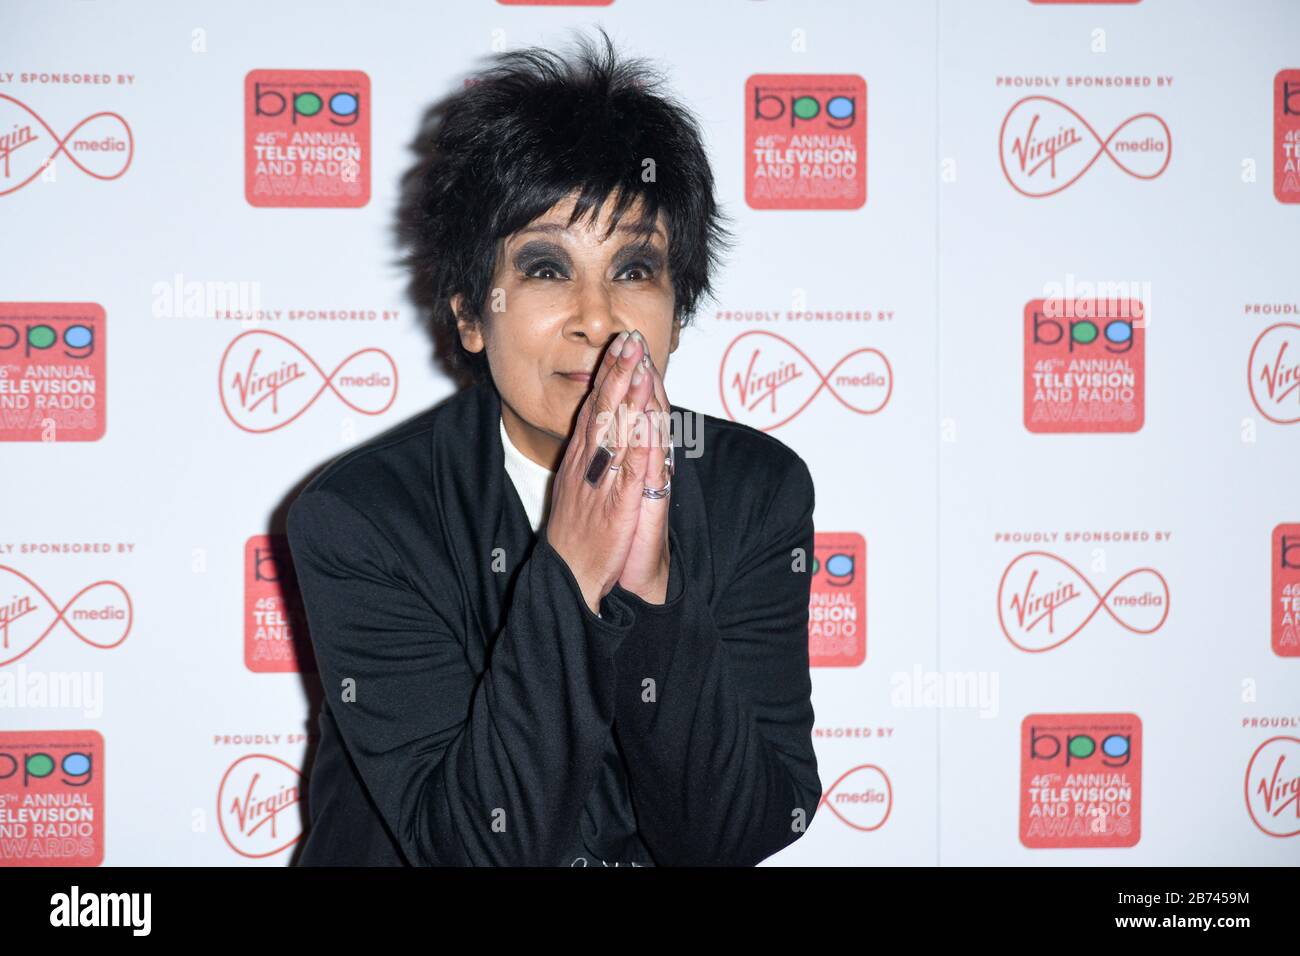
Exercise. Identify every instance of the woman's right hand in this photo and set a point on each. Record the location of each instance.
(592, 527)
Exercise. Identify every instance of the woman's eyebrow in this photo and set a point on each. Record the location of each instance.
(544, 227)
(552, 228)
(635, 230)
(644, 249)
(540, 247)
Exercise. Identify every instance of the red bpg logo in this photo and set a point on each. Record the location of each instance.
(52, 798)
(1080, 780)
(275, 631)
(1085, 364)
(805, 142)
(1286, 590)
(837, 604)
(53, 376)
(307, 138)
(1286, 136)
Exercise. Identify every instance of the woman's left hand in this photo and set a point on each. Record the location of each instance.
(645, 573)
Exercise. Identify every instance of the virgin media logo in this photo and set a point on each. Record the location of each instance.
(1044, 600)
(100, 615)
(1045, 146)
(1273, 373)
(861, 798)
(766, 380)
(1273, 786)
(101, 145)
(266, 381)
(257, 806)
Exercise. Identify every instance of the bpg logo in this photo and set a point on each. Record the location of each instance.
(27, 336)
(344, 106)
(771, 104)
(1286, 136)
(1286, 590)
(52, 371)
(837, 600)
(275, 628)
(74, 768)
(1115, 335)
(51, 798)
(805, 142)
(1080, 780)
(307, 138)
(1076, 750)
(1084, 365)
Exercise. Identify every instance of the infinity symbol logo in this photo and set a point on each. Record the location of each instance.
(1274, 373)
(255, 805)
(262, 379)
(1042, 148)
(107, 616)
(766, 380)
(862, 798)
(1273, 786)
(100, 143)
(1036, 618)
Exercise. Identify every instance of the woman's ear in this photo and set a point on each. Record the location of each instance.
(677, 328)
(471, 335)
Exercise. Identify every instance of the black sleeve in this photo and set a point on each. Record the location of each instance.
(719, 745)
(465, 772)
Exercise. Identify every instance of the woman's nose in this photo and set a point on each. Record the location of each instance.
(595, 315)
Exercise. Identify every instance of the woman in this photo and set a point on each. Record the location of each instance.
(550, 632)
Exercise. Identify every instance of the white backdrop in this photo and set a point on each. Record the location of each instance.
(1116, 577)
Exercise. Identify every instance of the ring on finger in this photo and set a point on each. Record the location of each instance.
(656, 493)
(599, 464)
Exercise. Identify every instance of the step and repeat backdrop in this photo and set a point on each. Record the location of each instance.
(1015, 277)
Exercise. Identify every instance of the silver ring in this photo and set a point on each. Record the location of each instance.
(657, 493)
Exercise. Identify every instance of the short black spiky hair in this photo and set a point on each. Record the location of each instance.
(524, 134)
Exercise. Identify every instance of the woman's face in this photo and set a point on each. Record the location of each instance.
(559, 296)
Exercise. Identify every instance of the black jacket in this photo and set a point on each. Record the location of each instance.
(478, 713)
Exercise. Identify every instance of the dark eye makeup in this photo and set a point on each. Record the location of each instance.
(644, 257)
(539, 255)
(548, 261)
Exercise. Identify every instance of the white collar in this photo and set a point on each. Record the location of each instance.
(532, 481)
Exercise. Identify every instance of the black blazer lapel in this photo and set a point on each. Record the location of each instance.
(486, 530)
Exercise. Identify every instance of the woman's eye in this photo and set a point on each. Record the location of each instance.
(643, 271)
(538, 270)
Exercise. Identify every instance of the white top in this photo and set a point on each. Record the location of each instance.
(532, 481)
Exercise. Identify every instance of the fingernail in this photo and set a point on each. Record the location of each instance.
(637, 376)
(645, 359)
(617, 347)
